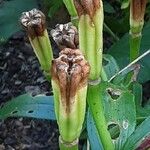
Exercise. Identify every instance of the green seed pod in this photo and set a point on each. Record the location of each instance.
(69, 81)
(90, 14)
(34, 23)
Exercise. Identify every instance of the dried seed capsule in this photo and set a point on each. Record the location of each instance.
(137, 12)
(34, 23)
(65, 36)
(69, 80)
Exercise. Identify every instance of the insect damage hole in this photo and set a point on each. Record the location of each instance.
(105, 62)
(14, 112)
(114, 93)
(114, 130)
(30, 111)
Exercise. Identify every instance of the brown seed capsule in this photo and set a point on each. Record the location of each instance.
(34, 22)
(87, 7)
(65, 36)
(70, 71)
(137, 9)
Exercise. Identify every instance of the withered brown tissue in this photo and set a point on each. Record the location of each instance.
(70, 71)
(34, 22)
(65, 36)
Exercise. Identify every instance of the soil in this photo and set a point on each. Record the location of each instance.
(20, 73)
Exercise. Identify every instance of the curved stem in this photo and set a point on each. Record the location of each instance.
(96, 107)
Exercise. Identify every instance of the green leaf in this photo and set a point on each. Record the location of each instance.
(142, 131)
(142, 112)
(110, 66)
(125, 4)
(54, 6)
(119, 110)
(10, 12)
(93, 137)
(120, 51)
(40, 106)
(108, 8)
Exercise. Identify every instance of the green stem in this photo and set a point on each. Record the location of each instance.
(111, 32)
(96, 107)
(66, 146)
(135, 42)
(72, 11)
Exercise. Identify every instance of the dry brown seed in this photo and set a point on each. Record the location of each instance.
(65, 36)
(34, 22)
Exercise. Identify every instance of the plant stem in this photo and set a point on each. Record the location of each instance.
(96, 107)
(72, 11)
(135, 42)
(68, 146)
(111, 32)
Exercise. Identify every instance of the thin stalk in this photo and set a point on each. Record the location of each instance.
(98, 20)
(72, 11)
(95, 101)
(111, 32)
(137, 11)
(90, 46)
(135, 42)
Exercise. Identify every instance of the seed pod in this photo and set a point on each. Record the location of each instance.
(65, 36)
(90, 14)
(137, 12)
(69, 81)
(34, 23)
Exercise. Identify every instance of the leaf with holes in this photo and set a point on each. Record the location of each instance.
(40, 106)
(142, 111)
(138, 136)
(120, 51)
(95, 142)
(120, 112)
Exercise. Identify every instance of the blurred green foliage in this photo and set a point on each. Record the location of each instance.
(10, 12)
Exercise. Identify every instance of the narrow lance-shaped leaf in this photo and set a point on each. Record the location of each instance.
(40, 107)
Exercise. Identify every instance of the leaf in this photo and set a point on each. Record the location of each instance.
(125, 4)
(142, 131)
(108, 8)
(142, 112)
(10, 12)
(110, 66)
(94, 140)
(40, 106)
(54, 6)
(119, 110)
(120, 51)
